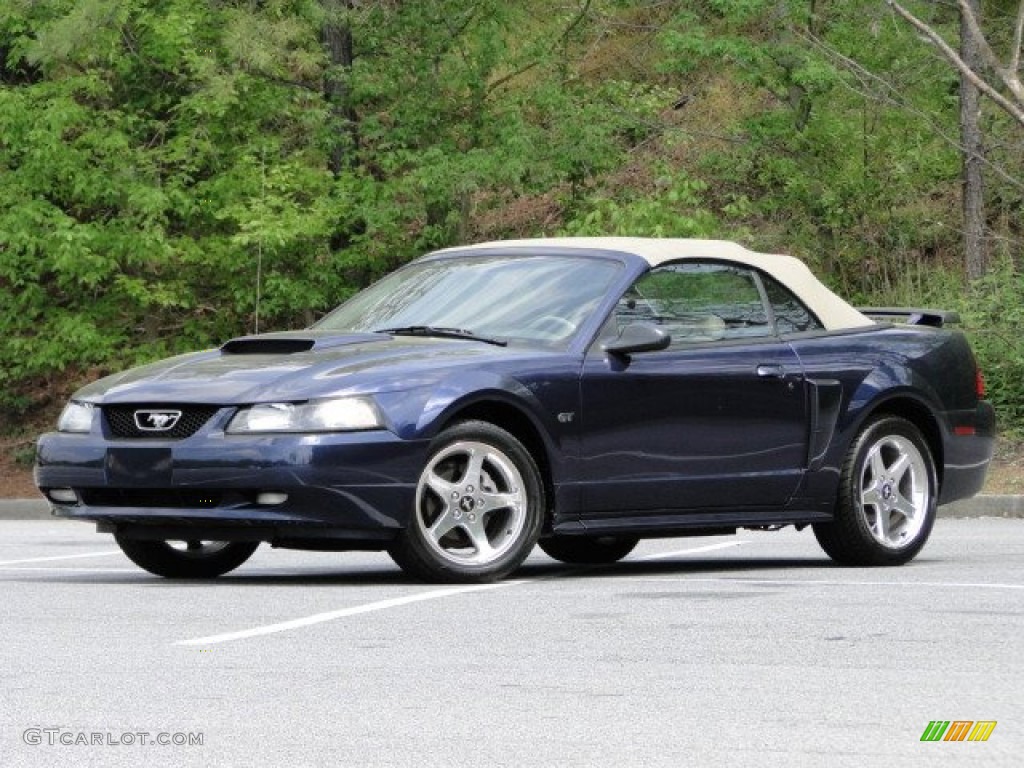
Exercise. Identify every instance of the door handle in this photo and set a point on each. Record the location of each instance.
(771, 371)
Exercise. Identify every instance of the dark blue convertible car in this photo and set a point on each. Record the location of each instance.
(577, 393)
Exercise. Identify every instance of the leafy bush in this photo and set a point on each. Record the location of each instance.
(993, 314)
(155, 157)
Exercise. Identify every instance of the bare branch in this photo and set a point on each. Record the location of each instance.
(496, 84)
(1018, 39)
(311, 87)
(876, 88)
(1008, 74)
(577, 20)
(1013, 110)
(967, 16)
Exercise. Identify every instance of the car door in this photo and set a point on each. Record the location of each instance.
(716, 420)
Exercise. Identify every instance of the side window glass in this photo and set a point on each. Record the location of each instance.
(696, 302)
(791, 316)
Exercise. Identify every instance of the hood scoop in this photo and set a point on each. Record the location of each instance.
(293, 342)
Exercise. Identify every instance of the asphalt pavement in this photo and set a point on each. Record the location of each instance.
(746, 650)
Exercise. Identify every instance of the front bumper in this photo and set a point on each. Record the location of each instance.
(355, 486)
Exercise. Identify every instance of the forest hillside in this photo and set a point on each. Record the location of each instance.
(177, 172)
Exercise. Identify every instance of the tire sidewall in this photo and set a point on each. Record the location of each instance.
(161, 559)
(602, 550)
(878, 429)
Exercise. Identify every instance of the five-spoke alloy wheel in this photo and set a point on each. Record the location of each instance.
(887, 497)
(478, 509)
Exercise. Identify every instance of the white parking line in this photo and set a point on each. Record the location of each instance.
(319, 618)
(71, 569)
(59, 557)
(397, 602)
(692, 551)
(824, 582)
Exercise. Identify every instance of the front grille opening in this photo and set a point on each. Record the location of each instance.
(122, 422)
(162, 498)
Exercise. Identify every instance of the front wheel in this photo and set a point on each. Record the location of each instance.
(887, 497)
(478, 509)
(193, 559)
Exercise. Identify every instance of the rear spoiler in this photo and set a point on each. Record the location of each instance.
(936, 318)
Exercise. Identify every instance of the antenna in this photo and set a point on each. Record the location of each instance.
(259, 241)
(259, 279)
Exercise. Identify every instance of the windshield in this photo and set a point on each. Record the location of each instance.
(535, 298)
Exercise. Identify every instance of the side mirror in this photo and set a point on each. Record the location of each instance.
(638, 337)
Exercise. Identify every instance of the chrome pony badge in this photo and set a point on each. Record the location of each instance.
(156, 421)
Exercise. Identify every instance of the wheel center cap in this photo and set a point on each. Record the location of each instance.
(467, 504)
(886, 491)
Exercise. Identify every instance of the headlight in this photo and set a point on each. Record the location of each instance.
(340, 415)
(76, 417)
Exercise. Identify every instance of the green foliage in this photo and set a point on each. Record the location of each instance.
(991, 312)
(675, 209)
(130, 173)
(24, 455)
(993, 316)
(157, 156)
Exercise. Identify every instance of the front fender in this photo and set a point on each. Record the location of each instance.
(540, 401)
(549, 401)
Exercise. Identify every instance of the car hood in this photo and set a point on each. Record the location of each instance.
(292, 366)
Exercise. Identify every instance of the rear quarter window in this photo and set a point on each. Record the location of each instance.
(791, 316)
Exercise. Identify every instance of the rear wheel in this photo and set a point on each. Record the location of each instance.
(193, 559)
(584, 550)
(887, 497)
(478, 508)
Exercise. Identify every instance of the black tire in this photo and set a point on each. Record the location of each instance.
(586, 550)
(478, 509)
(192, 560)
(888, 493)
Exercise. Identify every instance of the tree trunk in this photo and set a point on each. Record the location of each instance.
(975, 256)
(337, 39)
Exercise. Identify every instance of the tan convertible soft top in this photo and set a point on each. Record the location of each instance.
(833, 312)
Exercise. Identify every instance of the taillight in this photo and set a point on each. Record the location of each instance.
(979, 384)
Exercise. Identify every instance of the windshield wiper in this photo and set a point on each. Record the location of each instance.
(444, 333)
